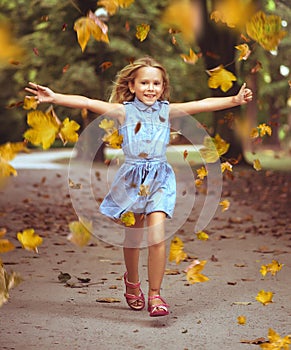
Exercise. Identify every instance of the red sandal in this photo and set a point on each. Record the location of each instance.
(159, 309)
(131, 298)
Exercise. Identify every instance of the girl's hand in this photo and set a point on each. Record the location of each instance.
(244, 95)
(42, 93)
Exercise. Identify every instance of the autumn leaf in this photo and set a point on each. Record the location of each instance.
(233, 13)
(44, 129)
(112, 6)
(244, 51)
(273, 268)
(5, 244)
(202, 173)
(30, 102)
(68, 131)
(220, 77)
(113, 139)
(105, 65)
(74, 186)
(225, 205)
(203, 236)
(257, 165)
(213, 148)
(7, 281)
(241, 320)
(192, 58)
(198, 182)
(108, 300)
(185, 154)
(177, 253)
(9, 150)
(264, 297)
(137, 127)
(261, 130)
(142, 31)
(257, 67)
(144, 190)
(80, 232)
(226, 166)
(10, 51)
(266, 30)
(90, 26)
(29, 239)
(128, 218)
(178, 16)
(106, 124)
(276, 342)
(6, 170)
(193, 272)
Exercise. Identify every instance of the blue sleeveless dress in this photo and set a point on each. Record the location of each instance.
(145, 182)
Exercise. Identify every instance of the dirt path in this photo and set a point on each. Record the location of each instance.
(44, 313)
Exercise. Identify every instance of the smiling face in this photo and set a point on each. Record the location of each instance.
(148, 85)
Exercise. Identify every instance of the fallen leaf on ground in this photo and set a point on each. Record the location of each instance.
(273, 268)
(64, 277)
(108, 300)
(203, 236)
(241, 320)
(172, 272)
(276, 342)
(256, 341)
(264, 297)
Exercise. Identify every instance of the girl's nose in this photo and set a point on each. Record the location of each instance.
(150, 86)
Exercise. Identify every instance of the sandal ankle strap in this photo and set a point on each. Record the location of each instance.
(130, 284)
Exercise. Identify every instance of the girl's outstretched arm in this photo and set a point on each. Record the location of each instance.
(45, 95)
(210, 104)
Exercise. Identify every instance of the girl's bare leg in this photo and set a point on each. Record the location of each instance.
(133, 237)
(157, 253)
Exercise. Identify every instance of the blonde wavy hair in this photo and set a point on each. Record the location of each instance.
(120, 91)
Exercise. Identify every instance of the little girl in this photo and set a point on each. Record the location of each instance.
(140, 95)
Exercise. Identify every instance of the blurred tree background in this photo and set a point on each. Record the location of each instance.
(52, 56)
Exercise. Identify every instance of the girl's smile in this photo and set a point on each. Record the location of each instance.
(148, 85)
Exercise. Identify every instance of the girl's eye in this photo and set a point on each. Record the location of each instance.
(157, 83)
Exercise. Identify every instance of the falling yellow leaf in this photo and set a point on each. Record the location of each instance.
(202, 173)
(192, 58)
(106, 124)
(128, 218)
(113, 139)
(265, 129)
(87, 26)
(7, 281)
(44, 129)
(193, 272)
(257, 165)
(6, 170)
(220, 77)
(68, 131)
(203, 236)
(273, 268)
(226, 166)
(244, 51)
(9, 150)
(180, 16)
(254, 133)
(266, 30)
(5, 244)
(80, 232)
(241, 320)
(29, 239)
(198, 182)
(142, 31)
(276, 342)
(30, 102)
(225, 205)
(233, 13)
(264, 297)
(112, 6)
(144, 190)
(177, 253)
(10, 51)
(213, 148)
